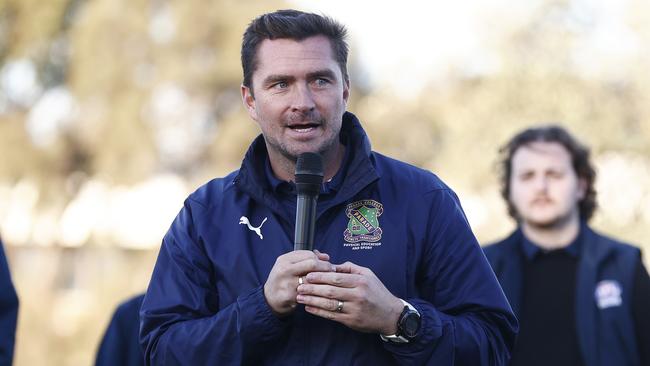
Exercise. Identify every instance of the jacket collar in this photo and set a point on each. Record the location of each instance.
(595, 248)
(510, 269)
(588, 246)
(593, 251)
(531, 249)
(358, 167)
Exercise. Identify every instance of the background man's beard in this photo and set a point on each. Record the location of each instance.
(554, 223)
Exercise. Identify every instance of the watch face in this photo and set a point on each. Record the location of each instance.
(411, 324)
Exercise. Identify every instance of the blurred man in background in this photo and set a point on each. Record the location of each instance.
(8, 311)
(581, 298)
(227, 288)
(120, 345)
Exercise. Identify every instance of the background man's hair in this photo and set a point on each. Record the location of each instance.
(296, 25)
(579, 160)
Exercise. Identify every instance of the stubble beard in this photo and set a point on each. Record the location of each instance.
(326, 149)
(554, 223)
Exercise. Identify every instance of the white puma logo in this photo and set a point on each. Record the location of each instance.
(244, 220)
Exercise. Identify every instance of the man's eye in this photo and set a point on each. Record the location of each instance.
(280, 85)
(526, 176)
(322, 82)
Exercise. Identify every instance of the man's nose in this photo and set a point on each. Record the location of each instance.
(302, 100)
(541, 183)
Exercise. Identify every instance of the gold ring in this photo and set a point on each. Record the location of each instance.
(339, 306)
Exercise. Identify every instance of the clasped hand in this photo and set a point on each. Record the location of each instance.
(346, 293)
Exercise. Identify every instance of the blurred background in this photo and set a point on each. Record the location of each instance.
(113, 111)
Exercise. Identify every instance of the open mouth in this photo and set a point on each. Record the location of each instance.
(306, 127)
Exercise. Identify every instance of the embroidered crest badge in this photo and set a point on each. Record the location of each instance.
(608, 294)
(364, 221)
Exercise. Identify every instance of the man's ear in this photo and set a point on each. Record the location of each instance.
(346, 91)
(249, 101)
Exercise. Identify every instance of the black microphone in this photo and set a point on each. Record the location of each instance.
(309, 177)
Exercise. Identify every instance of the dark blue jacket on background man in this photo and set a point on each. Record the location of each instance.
(605, 286)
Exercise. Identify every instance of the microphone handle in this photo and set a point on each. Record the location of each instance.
(305, 222)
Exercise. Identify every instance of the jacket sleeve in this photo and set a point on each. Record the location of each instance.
(8, 312)
(466, 319)
(180, 319)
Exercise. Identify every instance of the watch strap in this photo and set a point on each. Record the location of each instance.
(395, 338)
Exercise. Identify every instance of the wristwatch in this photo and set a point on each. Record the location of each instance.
(408, 325)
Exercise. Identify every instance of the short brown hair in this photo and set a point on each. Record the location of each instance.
(296, 25)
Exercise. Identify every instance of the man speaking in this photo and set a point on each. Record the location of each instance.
(396, 275)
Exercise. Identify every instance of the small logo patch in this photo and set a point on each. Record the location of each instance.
(364, 221)
(608, 294)
(258, 230)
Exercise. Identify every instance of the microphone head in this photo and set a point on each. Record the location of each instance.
(309, 163)
(309, 173)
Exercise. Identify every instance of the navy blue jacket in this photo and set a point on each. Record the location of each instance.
(8, 312)
(605, 333)
(120, 345)
(205, 302)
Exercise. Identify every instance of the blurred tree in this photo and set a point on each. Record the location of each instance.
(542, 80)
